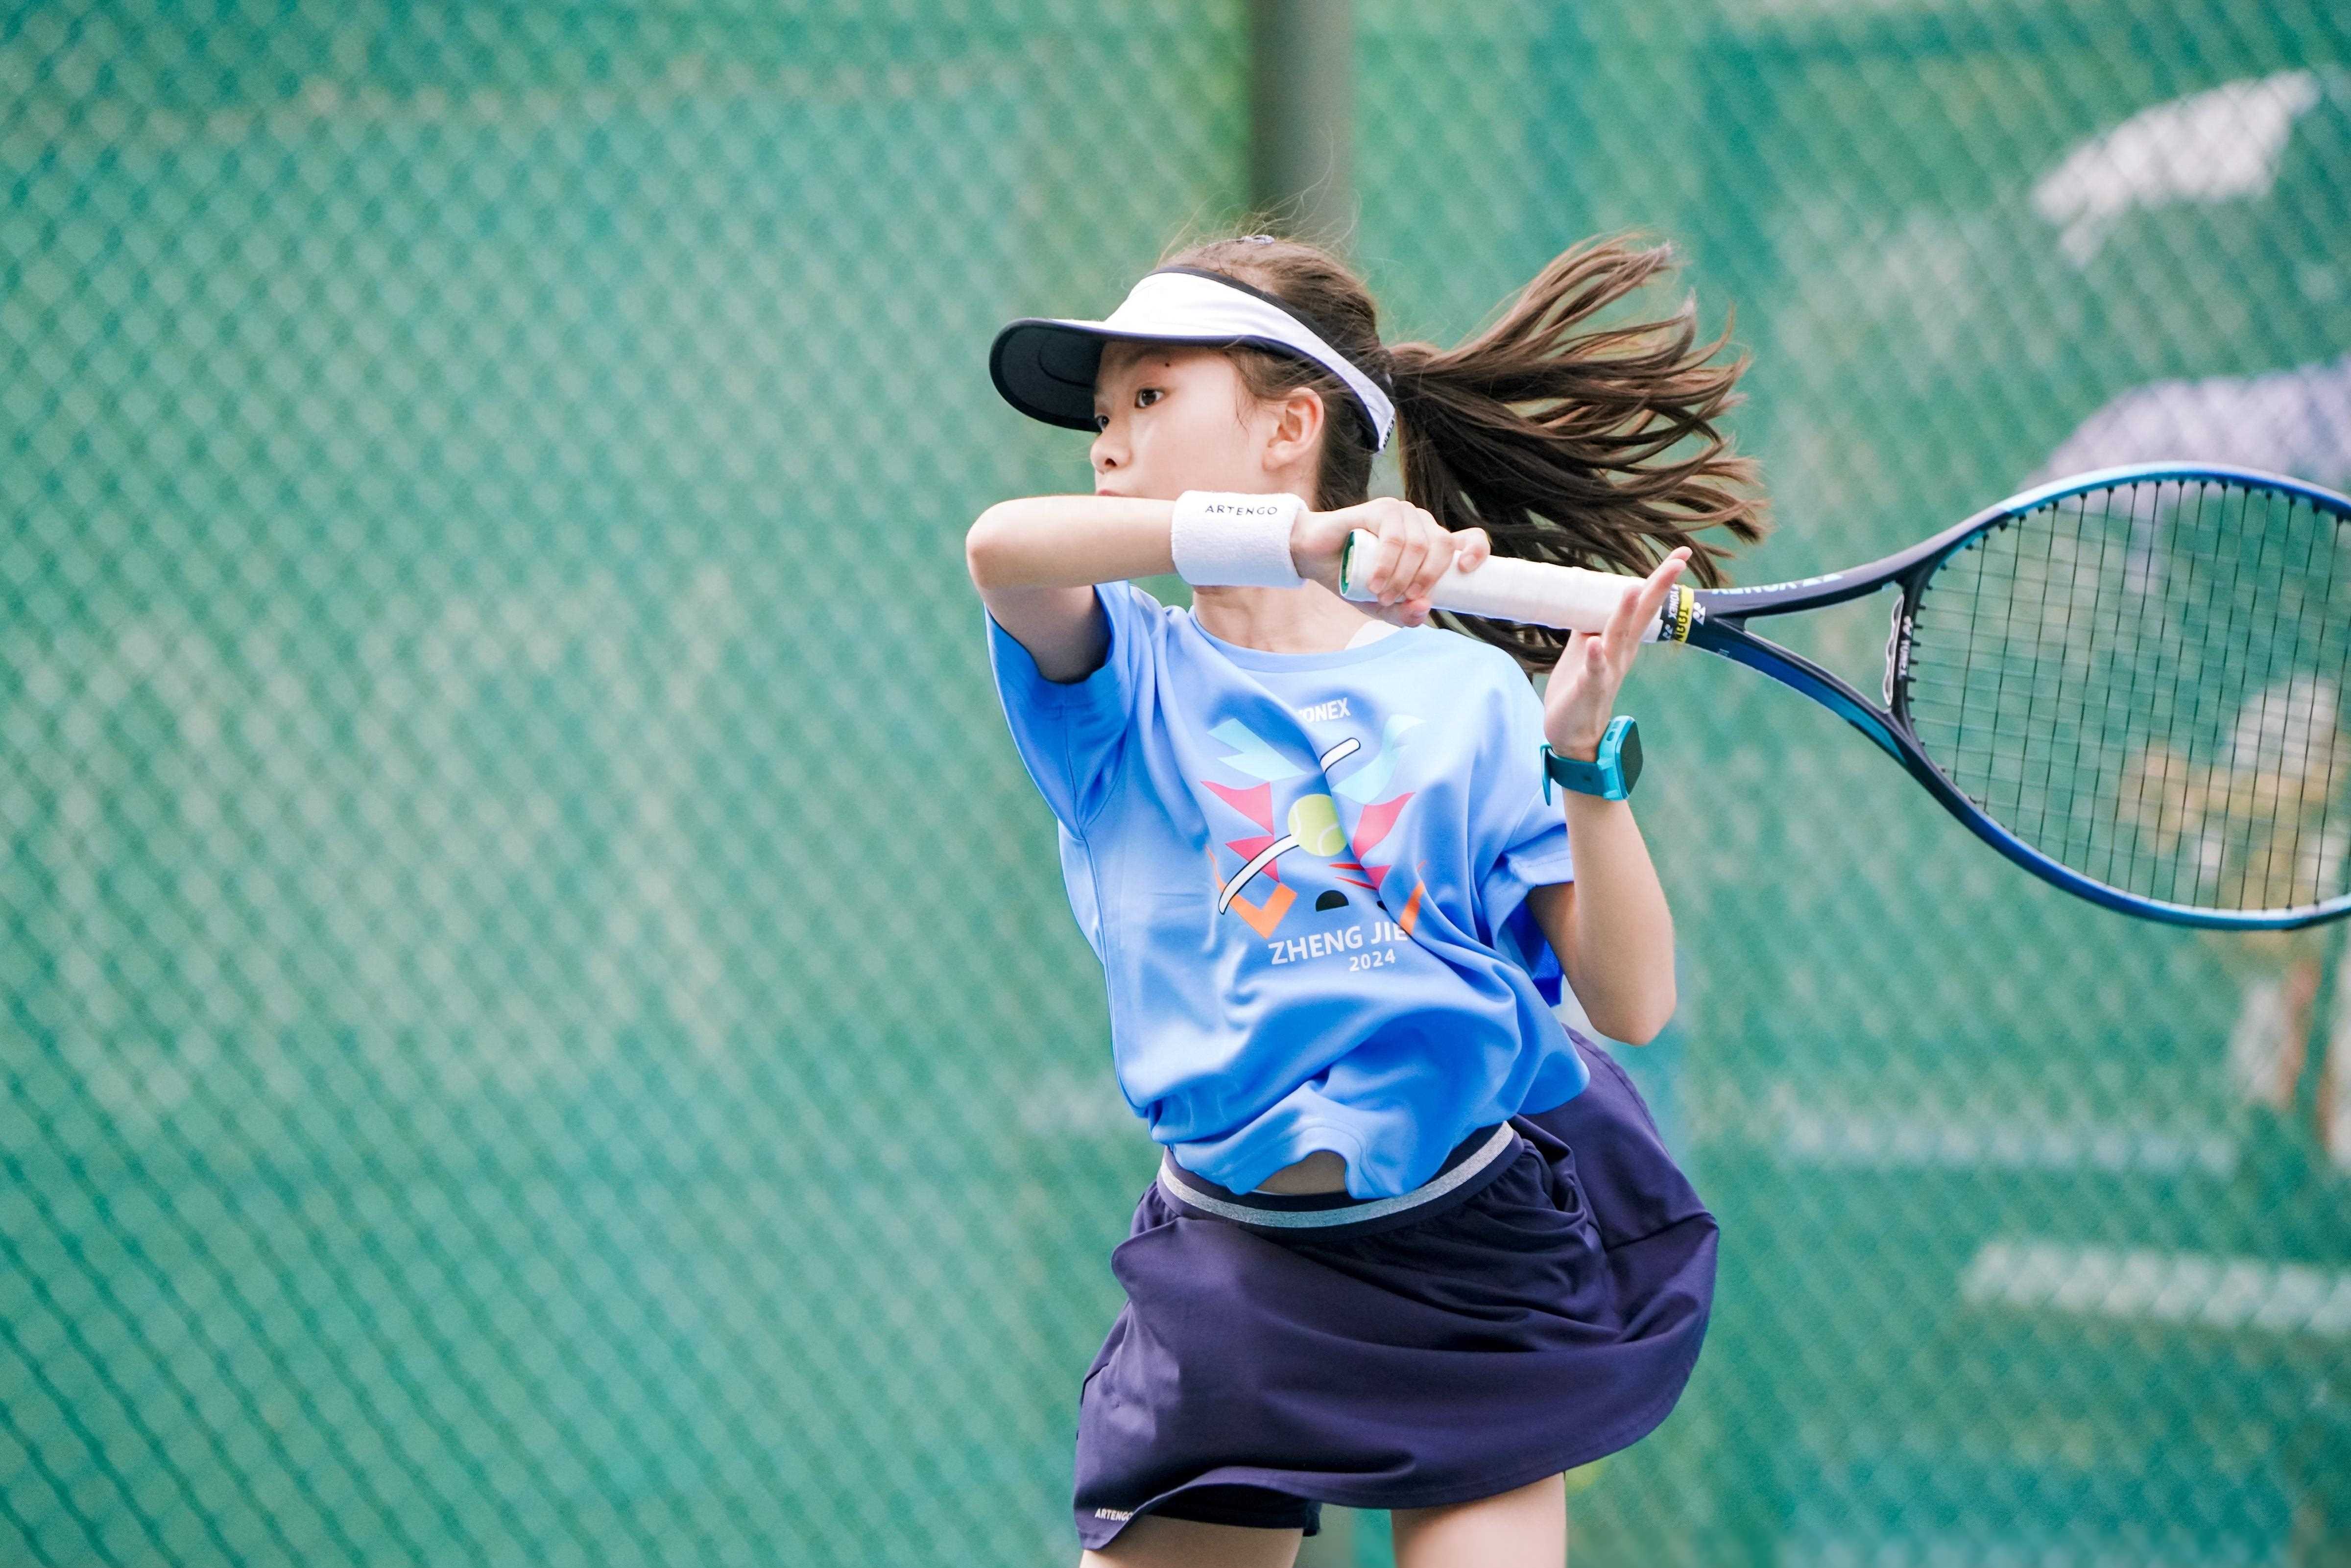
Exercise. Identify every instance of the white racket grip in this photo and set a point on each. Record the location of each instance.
(1504, 589)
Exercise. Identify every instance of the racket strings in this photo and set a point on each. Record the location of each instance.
(2146, 683)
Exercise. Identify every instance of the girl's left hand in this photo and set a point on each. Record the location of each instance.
(1582, 695)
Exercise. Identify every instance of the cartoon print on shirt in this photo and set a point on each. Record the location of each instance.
(1313, 823)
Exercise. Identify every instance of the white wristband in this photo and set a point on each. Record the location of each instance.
(1234, 539)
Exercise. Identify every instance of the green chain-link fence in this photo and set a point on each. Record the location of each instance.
(541, 1022)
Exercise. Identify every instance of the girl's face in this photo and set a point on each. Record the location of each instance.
(1175, 418)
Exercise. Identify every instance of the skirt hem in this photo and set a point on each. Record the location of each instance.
(1094, 1535)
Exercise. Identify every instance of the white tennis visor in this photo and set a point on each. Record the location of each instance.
(1045, 366)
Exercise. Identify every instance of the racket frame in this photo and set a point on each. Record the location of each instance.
(1717, 624)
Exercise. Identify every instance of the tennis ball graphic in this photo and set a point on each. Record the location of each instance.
(1314, 823)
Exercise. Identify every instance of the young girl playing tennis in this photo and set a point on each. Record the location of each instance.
(1413, 1245)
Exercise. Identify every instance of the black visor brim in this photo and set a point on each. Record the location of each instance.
(1046, 368)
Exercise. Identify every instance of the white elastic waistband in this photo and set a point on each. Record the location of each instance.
(1354, 1213)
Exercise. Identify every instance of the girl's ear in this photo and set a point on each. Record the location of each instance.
(1297, 427)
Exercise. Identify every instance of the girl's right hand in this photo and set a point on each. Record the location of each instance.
(1412, 552)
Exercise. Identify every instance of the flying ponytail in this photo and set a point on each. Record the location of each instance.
(1567, 441)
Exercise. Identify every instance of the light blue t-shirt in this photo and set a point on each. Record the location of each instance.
(1305, 876)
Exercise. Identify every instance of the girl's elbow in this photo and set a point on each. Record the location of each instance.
(1644, 1035)
(1646, 1025)
(985, 545)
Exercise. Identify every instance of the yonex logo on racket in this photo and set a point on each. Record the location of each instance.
(1719, 593)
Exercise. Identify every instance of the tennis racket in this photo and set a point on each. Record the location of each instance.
(2130, 683)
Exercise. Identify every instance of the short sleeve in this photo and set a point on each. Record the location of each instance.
(1071, 735)
(1532, 847)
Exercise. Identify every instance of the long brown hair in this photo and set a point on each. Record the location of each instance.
(1567, 441)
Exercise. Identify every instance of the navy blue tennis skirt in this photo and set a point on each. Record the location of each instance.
(1537, 1303)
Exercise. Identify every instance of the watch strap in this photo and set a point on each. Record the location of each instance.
(1607, 774)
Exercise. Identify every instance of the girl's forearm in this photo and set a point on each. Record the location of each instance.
(1621, 948)
(1069, 541)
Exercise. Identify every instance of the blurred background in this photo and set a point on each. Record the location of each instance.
(541, 1023)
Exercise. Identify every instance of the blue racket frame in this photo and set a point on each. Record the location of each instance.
(1719, 624)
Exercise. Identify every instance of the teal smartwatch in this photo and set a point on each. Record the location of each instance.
(1610, 775)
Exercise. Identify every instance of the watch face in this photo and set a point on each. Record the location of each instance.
(1628, 757)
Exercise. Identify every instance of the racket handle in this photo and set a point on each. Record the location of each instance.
(1505, 589)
